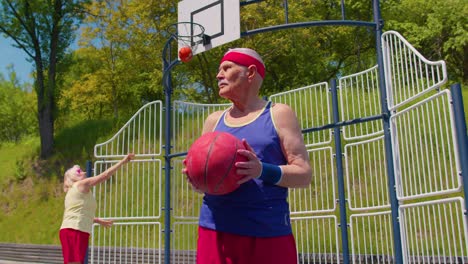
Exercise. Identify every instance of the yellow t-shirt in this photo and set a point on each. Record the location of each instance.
(79, 210)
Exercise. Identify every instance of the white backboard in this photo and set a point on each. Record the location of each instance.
(219, 18)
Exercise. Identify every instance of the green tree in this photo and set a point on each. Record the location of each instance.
(17, 112)
(297, 56)
(120, 52)
(436, 28)
(125, 40)
(84, 95)
(43, 30)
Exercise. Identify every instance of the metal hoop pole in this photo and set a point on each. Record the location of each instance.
(167, 147)
(459, 113)
(89, 171)
(168, 65)
(340, 174)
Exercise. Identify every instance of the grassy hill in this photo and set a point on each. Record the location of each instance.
(30, 206)
(31, 200)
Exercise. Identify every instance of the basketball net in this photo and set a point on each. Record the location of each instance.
(188, 34)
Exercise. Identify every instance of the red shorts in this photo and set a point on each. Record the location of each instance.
(224, 248)
(74, 245)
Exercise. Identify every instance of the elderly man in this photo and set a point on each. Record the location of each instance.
(252, 225)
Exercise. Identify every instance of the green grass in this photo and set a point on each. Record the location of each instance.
(75, 144)
(31, 200)
(31, 212)
(30, 206)
(12, 154)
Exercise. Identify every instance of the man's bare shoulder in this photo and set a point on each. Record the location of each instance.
(211, 121)
(215, 116)
(285, 118)
(282, 110)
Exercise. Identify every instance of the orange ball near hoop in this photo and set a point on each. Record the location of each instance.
(185, 54)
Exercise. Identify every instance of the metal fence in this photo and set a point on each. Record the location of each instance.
(351, 181)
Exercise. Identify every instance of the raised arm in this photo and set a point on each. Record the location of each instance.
(86, 184)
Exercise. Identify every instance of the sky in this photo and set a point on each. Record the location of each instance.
(16, 57)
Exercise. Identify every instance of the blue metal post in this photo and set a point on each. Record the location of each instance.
(387, 137)
(167, 83)
(167, 165)
(167, 170)
(89, 171)
(343, 15)
(286, 11)
(339, 173)
(462, 138)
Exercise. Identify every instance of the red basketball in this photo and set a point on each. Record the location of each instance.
(185, 54)
(210, 163)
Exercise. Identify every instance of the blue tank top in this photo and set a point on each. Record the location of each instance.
(255, 208)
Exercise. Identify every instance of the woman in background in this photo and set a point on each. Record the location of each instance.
(80, 207)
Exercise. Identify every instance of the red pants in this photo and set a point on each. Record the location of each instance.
(74, 245)
(223, 248)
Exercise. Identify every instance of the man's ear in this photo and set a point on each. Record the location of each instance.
(252, 71)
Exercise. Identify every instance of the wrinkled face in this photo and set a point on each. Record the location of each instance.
(232, 78)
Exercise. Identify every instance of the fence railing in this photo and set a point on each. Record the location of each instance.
(422, 156)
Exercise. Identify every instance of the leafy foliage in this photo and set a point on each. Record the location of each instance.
(295, 57)
(17, 111)
(438, 29)
(119, 62)
(43, 29)
(121, 45)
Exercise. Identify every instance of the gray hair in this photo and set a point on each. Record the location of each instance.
(70, 177)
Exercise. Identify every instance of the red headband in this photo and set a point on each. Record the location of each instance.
(244, 60)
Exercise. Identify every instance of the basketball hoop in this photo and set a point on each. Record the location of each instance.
(188, 34)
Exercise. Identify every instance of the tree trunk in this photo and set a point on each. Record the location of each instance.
(46, 130)
(44, 111)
